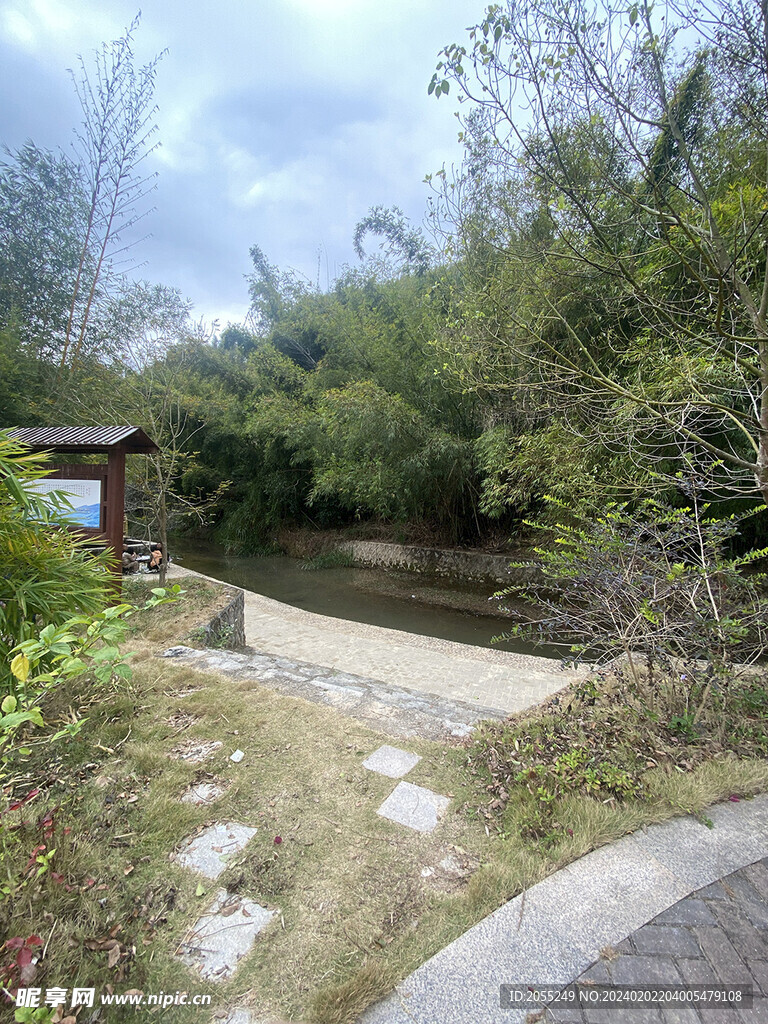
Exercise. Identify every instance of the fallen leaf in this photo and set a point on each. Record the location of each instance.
(114, 955)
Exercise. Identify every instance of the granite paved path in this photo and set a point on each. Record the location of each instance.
(629, 902)
(460, 672)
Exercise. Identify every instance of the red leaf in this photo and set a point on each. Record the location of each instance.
(15, 943)
(24, 800)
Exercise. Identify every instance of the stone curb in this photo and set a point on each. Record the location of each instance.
(554, 931)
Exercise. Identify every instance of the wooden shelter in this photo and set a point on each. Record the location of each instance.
(97, 491)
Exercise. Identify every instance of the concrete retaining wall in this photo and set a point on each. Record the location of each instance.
(227, 627)
(472, 565)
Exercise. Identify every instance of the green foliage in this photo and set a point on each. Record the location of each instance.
(402, 243)
(58, 653)
(607, 738)
(81, 646)
(627, 205)
(43, 209)
(518, 470)
(377, 456)
(47, 575)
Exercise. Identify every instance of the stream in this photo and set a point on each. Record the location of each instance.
(452, 609)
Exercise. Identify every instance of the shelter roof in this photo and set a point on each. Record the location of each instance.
(71, 440)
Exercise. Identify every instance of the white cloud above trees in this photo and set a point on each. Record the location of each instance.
(281, 123)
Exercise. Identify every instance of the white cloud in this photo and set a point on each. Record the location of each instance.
(18, 28)
(46, 27)
(281, 122)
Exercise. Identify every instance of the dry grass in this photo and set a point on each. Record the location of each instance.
(355, 912)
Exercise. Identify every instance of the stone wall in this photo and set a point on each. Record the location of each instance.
(472, 565)
(227, 627)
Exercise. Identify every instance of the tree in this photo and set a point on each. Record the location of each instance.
(405, 249)
(113, 142)
(43, 211)
(649, 162)
(652, 581)
(155, 326)
(375, 454)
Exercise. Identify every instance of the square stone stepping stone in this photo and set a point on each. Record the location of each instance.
(414, 806)
(209, 852)
(223, 935)
(202, 793)
(237, 1016)
(391, 761)
(195, 751)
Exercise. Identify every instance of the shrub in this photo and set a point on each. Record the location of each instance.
(653, 581)
(46, 577)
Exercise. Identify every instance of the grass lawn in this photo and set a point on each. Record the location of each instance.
(357, 906)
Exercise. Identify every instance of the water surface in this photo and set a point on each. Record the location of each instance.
(413, 602)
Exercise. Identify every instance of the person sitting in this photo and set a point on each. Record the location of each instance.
(156, 559)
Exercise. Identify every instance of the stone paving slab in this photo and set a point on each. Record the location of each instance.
(708, 938)
(391, 761)
(698, 854)
(554, 932)
(223, 935)
(202, 793)
(414, 806)
(195, 751)
(496, 679)
(208, 852)
(237, 1017)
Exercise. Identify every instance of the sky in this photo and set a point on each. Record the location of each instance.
(281, 122)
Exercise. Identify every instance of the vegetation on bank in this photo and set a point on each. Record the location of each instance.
(91, 755)
(587, 322)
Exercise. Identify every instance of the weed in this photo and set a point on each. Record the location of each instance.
(219, 637)
(607, 738)
(337, 558)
